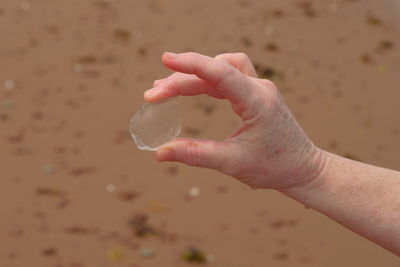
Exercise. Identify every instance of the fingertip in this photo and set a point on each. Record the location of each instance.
(169, 60)
(164, 154)
(157, 96)
(169, 56)
(149, 95)
(153, 95)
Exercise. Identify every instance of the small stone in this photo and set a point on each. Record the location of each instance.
(87, 59)
(140, 226)
(193, 131)
(269, 30)
(158, 206)
(222, 189)
(142, 51)
(386, 45)
(12, 255)
(49, 169)
(373, 21)
(110, 188)
(77, 68)
(49, 252)
(9, 84)
(80, 230)
(271, 47)
(246, 41)
(381, 68)
(270, 73)
(210, 258)
(4, 117)
(128, 195)
(147, 253)
(172, 170)
(365, 58)
(194, 191)
(278, 13)
(115, 255)
(281, 256)
(48, 191)
(122, 35)
(83, 170)
(8, 103)
(193, 255)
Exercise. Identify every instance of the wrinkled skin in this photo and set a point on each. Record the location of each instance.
(269, 150)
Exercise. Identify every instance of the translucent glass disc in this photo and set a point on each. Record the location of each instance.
(155, 124)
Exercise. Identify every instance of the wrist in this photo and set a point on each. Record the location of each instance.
(316, 177)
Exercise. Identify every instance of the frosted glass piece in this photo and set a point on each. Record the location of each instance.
(155, 124)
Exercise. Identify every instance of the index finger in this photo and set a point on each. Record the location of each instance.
(227, 80)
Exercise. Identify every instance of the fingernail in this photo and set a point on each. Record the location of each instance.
(171, 56)
(150, 93)
(165, 154)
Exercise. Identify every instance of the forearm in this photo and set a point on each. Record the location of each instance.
(361, 197)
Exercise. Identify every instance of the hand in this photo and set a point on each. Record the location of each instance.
(269, 150)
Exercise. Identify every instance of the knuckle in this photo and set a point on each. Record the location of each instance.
(223, 56)
(273, 99)
(242, 56)
(220, 56)
(227, 68)
(227, 73)
(268, 83)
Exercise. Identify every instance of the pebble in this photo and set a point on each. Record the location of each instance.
(210, 258)
(194, 191)
(269, 30)
(9, 84)
(110, 188)
(8, 103)
(77, 68)
(49, 169)
(115, 255)
(147, 252)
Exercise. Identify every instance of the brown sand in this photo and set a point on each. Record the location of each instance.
(73, 72)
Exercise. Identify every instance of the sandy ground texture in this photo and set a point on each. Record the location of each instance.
(75, 191)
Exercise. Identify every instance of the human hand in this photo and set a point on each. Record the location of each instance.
(269, 150)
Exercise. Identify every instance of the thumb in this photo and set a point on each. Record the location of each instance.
(197, 152)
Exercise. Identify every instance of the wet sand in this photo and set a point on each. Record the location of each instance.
(75, 191)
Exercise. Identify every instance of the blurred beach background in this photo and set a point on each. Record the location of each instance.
(75, 190)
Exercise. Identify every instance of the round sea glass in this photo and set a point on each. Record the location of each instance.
(155, 124)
